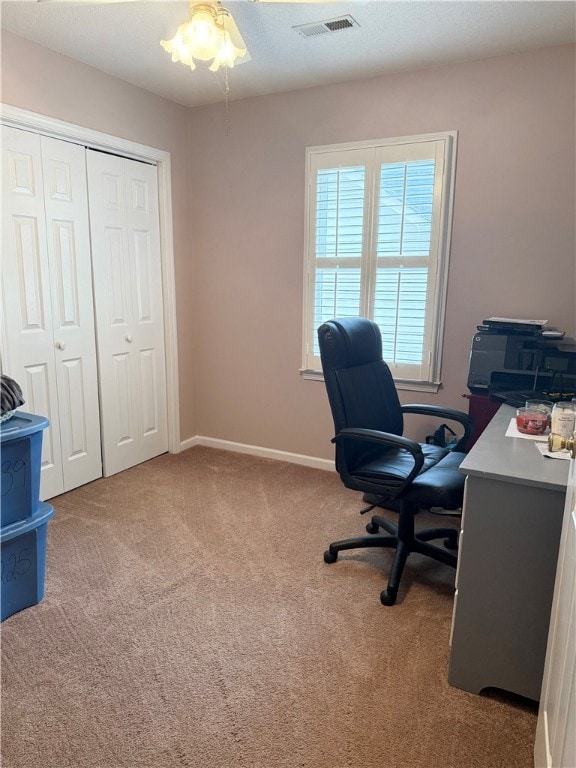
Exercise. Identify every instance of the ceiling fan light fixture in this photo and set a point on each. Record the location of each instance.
(225, 56)
(209, 33)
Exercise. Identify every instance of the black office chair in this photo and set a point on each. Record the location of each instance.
(372, 455)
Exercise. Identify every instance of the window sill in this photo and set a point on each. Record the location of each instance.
(411, 386)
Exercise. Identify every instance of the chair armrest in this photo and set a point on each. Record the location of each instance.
(444, 413)
(384, 439)
(374, 435)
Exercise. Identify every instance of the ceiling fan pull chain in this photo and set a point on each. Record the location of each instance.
(227, 97)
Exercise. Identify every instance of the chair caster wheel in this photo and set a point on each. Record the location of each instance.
(386, 598)
(372, 528)
(451, 543)
(330, 557)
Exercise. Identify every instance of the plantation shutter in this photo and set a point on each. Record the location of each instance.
(339, 228)
(377, 247)
(407, 218)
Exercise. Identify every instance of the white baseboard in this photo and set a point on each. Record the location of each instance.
(256, 450)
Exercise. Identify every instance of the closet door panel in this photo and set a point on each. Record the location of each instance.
(144, 232)
(32, 277)
(125, 429)
(66, 202)
(39, 388)
(28, 356)
(74, 421)
(124, 252)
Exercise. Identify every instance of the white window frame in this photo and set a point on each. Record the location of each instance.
(370, 153)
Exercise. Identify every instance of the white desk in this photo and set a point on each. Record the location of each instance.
(511, 523)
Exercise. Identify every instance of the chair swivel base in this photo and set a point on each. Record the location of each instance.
(404, 540)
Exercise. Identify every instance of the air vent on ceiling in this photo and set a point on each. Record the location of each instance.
(324, 27)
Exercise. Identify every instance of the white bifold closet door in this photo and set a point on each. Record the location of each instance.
(124, 223)
(48, 335)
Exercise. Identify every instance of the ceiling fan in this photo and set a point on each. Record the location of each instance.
(209, 33)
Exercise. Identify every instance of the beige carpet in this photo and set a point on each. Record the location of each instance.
(190, 620)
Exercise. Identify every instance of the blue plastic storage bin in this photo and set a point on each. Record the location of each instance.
(23, 551)
(21, 456)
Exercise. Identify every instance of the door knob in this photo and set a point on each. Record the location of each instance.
(129, 338)
(60, 345)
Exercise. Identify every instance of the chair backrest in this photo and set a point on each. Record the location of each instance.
(359, 384)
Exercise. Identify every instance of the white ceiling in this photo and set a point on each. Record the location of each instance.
(123, 39)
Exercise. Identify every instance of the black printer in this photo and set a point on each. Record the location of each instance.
(513, 365)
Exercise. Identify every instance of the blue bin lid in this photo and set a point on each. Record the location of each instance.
(44, 513)
(21, 425)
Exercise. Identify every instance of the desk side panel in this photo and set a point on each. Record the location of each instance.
(505, 586)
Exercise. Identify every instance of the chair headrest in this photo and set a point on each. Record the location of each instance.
(349, 341)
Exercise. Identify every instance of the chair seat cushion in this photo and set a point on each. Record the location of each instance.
(439, 483)
(442, 486)
(391, 463)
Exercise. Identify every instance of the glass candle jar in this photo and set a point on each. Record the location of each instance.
(541, 405)
(531, 421)
(563, 418)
